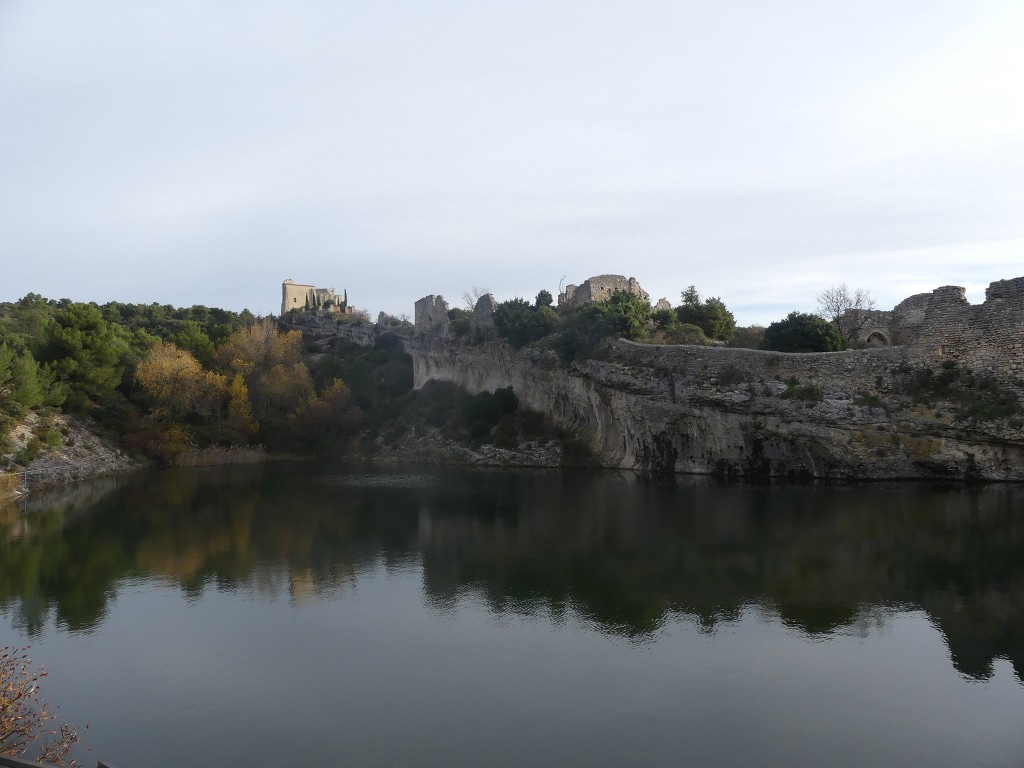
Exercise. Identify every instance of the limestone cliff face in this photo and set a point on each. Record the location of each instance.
(739, 413)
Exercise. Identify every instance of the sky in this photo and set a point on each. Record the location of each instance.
(187, 152)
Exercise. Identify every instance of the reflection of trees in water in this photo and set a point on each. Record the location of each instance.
(625, 556)
(226, 527)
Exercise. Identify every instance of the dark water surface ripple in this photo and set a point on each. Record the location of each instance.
(299, 614)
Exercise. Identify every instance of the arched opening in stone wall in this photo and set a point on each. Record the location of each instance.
(878, 339)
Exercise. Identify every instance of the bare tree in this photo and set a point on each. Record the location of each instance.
(847, 310)
(470, 298)
(25, 720)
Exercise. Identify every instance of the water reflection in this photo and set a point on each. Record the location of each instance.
(624, 555)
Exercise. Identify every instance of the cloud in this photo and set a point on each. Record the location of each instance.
(200, 153)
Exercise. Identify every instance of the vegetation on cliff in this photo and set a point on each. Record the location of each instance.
(164, 381)
(201, 385)
(579, 330)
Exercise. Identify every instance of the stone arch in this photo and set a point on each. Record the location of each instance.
(878, 339)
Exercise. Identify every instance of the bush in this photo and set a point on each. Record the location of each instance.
(483, 412)
(748, 337)
(801, 332)
(459, 322)
(25, 721)
(711, 315)
(976, 398)
(686, 333)
(623, 315)
(27, 455)
(519, 323)
(866, 399)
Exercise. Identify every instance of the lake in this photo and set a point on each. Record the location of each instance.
(295, 613)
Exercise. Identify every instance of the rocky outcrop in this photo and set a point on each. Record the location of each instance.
(79, 453)
(427, 445)
(942, 397)
(739, 413)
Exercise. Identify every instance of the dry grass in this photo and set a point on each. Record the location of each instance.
(8, 483)
(218, 455)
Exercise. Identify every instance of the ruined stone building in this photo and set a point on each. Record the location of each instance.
(296, 296)
(929, 328)
(431, 316)
(944, 325)
(599, 288)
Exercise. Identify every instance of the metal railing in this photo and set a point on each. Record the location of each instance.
(32, 478)
(17, 762)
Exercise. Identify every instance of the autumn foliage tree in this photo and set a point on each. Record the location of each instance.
(178, 385)
(27, 722)
(239, 426)
(326, 420)
(270, 362)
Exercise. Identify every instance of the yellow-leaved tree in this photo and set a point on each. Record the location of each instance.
(271, 364)
(239, 426)
(179, 386)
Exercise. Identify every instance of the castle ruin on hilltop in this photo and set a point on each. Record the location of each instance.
(944, 325)
(296, 296)
(929, 328)
(600, 288)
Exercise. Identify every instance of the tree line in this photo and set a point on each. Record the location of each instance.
(581, 331)
(166, 380)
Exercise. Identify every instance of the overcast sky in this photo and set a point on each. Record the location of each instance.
(201, 152)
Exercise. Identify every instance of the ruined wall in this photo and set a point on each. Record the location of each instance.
(482, 321)
(600, 288)
(431, 317)
(987, 338)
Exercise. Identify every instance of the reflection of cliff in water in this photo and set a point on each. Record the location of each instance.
(623, 555)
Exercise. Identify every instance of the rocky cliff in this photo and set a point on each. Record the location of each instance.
(883, 413)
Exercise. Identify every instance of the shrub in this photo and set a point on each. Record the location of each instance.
(519, 323)
(866, 399)
(801, 332)
(748, 337)
(460, 322)
(25, 721)
(686, 333)
(711, 315)
(27, 455)
(975, 398)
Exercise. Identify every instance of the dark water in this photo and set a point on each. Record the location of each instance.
(295, 614)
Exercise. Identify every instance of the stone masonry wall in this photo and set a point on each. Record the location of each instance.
(431, 317)
(482, 321)
(600, 288)
(986, 338)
